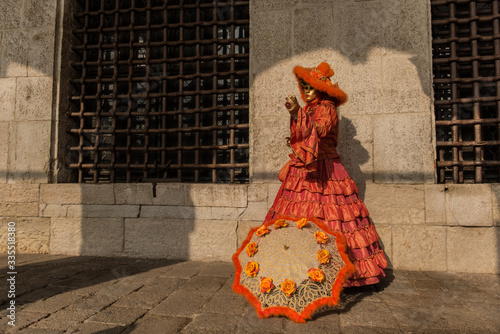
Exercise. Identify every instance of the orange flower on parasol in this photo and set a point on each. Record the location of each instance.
(316, 275)
(301, 223)
(251, 269)
(280, 223)
(251, 249)
(311, 273)
(288, 287)
(266, 285)
(323, 256)
(264, 229)
(321, 237)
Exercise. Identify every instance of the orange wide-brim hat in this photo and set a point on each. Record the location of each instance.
(319, 78)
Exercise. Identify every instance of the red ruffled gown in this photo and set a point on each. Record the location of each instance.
(316, 185)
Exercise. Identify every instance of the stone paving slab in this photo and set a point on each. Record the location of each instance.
(62, 294)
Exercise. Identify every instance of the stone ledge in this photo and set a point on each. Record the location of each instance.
(133, 193)
(19, 193)
(198, 240)
(103, 211)
(395, 204)
(170, 194)
(76, 193)
(473, 249)
(18, 209)
(32, 234)
(190, 212)
(216, 195)
(53, 210)
(86, 236)
(435, 203)
(469, 205)
(417, 247)
(495, 190)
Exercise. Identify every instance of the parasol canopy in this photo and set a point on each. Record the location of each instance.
(291, 267)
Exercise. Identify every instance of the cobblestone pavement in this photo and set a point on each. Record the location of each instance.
(60, 294)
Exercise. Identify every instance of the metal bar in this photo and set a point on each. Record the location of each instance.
(139, 92)
(177, 166)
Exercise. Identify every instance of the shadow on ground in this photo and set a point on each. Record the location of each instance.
(37, 280)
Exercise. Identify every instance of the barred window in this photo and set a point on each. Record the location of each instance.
(159, 91)
(466, 65)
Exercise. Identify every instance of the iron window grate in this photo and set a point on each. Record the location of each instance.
(160, 91)
(466, 66)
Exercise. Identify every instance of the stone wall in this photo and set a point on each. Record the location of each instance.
(422, 227)
(27, 30)
(380, 50)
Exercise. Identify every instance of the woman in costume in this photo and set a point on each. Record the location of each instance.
(316, 184)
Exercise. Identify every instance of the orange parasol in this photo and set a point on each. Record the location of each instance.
(291, 267)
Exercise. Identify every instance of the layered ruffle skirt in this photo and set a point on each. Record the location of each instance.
(330, 195)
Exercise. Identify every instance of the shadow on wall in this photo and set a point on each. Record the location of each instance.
(153, 221)
(353, 154)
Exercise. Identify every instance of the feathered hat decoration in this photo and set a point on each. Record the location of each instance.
(319, 78)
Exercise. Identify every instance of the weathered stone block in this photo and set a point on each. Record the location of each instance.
(406, 85)
(189, 212)
(358, 29)
(217, 195)
(270, 88)
(103, 237)
(269, 142)
(97, 193)
(363, 99)
(406, 27)
(29, 151)
(170, 194)
(41, 62)
(255, 211)
(39, 13)
(18, 209)
(474, 250)
(272, 37)
(4, 150)
(257, 192)
(167, 211)
(14, 50)
(419, 247)
(198, 240)
(32, 235)
(317, 19)
(133, 193)
(495, 190)
(395, 204)
(8, 98)
(258, 5)
(104, 211)
(355, 148)
(34, 99)
(66, 193)
(469, 205)
(53, 210)
(10, 14)
(218, 213)
(19, 193)
(400, 143)
(61, 193)
(435, 204)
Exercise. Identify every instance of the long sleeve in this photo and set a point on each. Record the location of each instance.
(314, 133)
